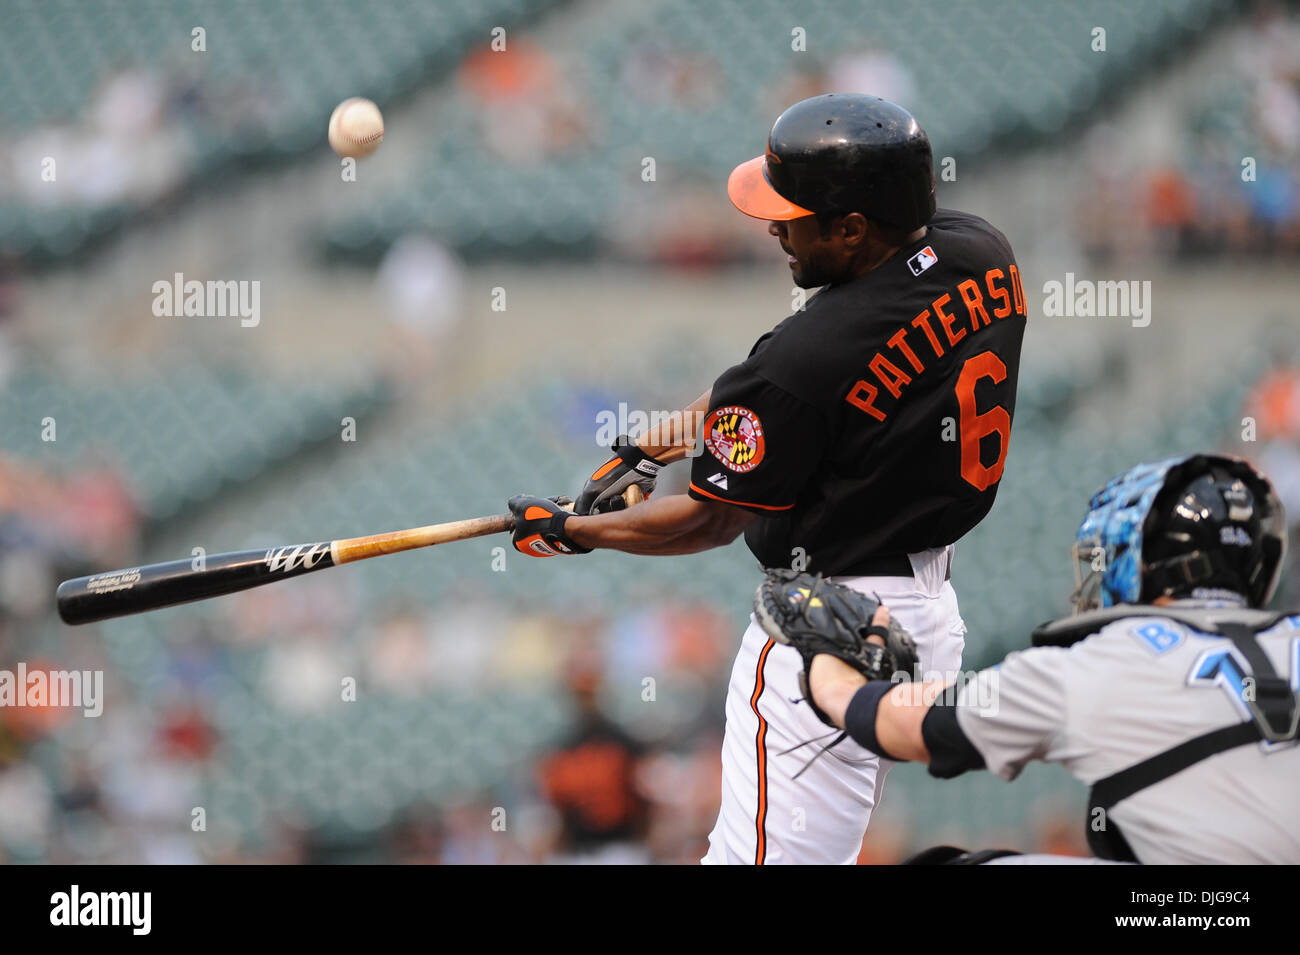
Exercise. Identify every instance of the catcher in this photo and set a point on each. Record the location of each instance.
(1171, 693)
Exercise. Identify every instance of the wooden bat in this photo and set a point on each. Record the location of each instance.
(119, 593)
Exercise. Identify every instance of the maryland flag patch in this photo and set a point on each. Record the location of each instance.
(734, 436)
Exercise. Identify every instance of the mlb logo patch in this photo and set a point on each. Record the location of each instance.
(922, 260)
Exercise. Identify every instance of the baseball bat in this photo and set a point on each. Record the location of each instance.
(119, 593)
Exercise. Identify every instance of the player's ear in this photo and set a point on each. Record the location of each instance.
(854, 229)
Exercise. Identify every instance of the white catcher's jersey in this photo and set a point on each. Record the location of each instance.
(1140, 686)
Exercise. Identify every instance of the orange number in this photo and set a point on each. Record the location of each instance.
(975, 426)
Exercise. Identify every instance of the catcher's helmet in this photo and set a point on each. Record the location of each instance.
(841, 152)
(1205, 522)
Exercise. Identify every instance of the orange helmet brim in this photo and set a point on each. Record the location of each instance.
(753, 195)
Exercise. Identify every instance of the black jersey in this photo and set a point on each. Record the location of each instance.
(875, 422)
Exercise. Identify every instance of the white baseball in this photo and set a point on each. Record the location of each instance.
(356, 128)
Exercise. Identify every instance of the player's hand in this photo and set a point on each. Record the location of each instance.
(604, 489)
(539, 527)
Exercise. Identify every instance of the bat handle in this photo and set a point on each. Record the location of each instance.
(633, 495)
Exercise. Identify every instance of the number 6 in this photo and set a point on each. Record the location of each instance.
(974, 427)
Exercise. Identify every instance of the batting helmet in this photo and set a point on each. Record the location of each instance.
(1201, 522)
(841, 153)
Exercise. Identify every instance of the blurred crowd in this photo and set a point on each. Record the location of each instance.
(1232, 185)
(134, 142)
(1273, 404)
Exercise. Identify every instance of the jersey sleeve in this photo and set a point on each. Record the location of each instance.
(758, 444)
(1016, 712)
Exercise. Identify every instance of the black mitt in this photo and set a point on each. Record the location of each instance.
(813, 615)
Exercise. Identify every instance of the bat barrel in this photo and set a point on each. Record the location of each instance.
(136, 589)
(153, 586)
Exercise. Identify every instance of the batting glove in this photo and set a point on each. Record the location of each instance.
(604, 489)
(539, 527)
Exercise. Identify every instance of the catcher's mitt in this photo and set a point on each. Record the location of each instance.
(813, 615)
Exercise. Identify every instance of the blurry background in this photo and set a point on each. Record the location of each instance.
(504, 270)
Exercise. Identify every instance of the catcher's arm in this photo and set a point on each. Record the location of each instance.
(833, 684)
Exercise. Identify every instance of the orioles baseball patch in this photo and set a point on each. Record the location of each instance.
(734, 436)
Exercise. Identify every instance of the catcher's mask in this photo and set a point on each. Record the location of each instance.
(1206, 523)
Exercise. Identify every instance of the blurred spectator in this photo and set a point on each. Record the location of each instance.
(399, 660)
(1171, 209)
(49, 526)
(423, 284)
(303, 672)
(26, 812)
(524, 106)
(591, 779)
(807, 78)
(682, 787)
(121, 149)
(683, 229)
(873, 71)
(468, 837)
(886, 844)
(128, 103)
(1269, 55)
(658, 72)
(1274, 403)
(1058, 831)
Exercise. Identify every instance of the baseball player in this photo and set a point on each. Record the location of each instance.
(861, 438)
(1171, 694)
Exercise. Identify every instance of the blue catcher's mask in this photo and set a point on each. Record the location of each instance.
(1131, 518)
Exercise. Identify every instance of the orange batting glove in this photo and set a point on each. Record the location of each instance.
(539, 527)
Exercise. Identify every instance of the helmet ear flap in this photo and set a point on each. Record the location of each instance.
(1274, 544)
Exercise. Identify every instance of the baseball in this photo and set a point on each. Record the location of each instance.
(356, 128)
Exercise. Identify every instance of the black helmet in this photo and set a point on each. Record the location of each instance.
(841, 153)
(1219, 525)
(1166, 529)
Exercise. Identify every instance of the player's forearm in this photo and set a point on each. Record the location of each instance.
(898, 716)
(676, 524)
(673, 439)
